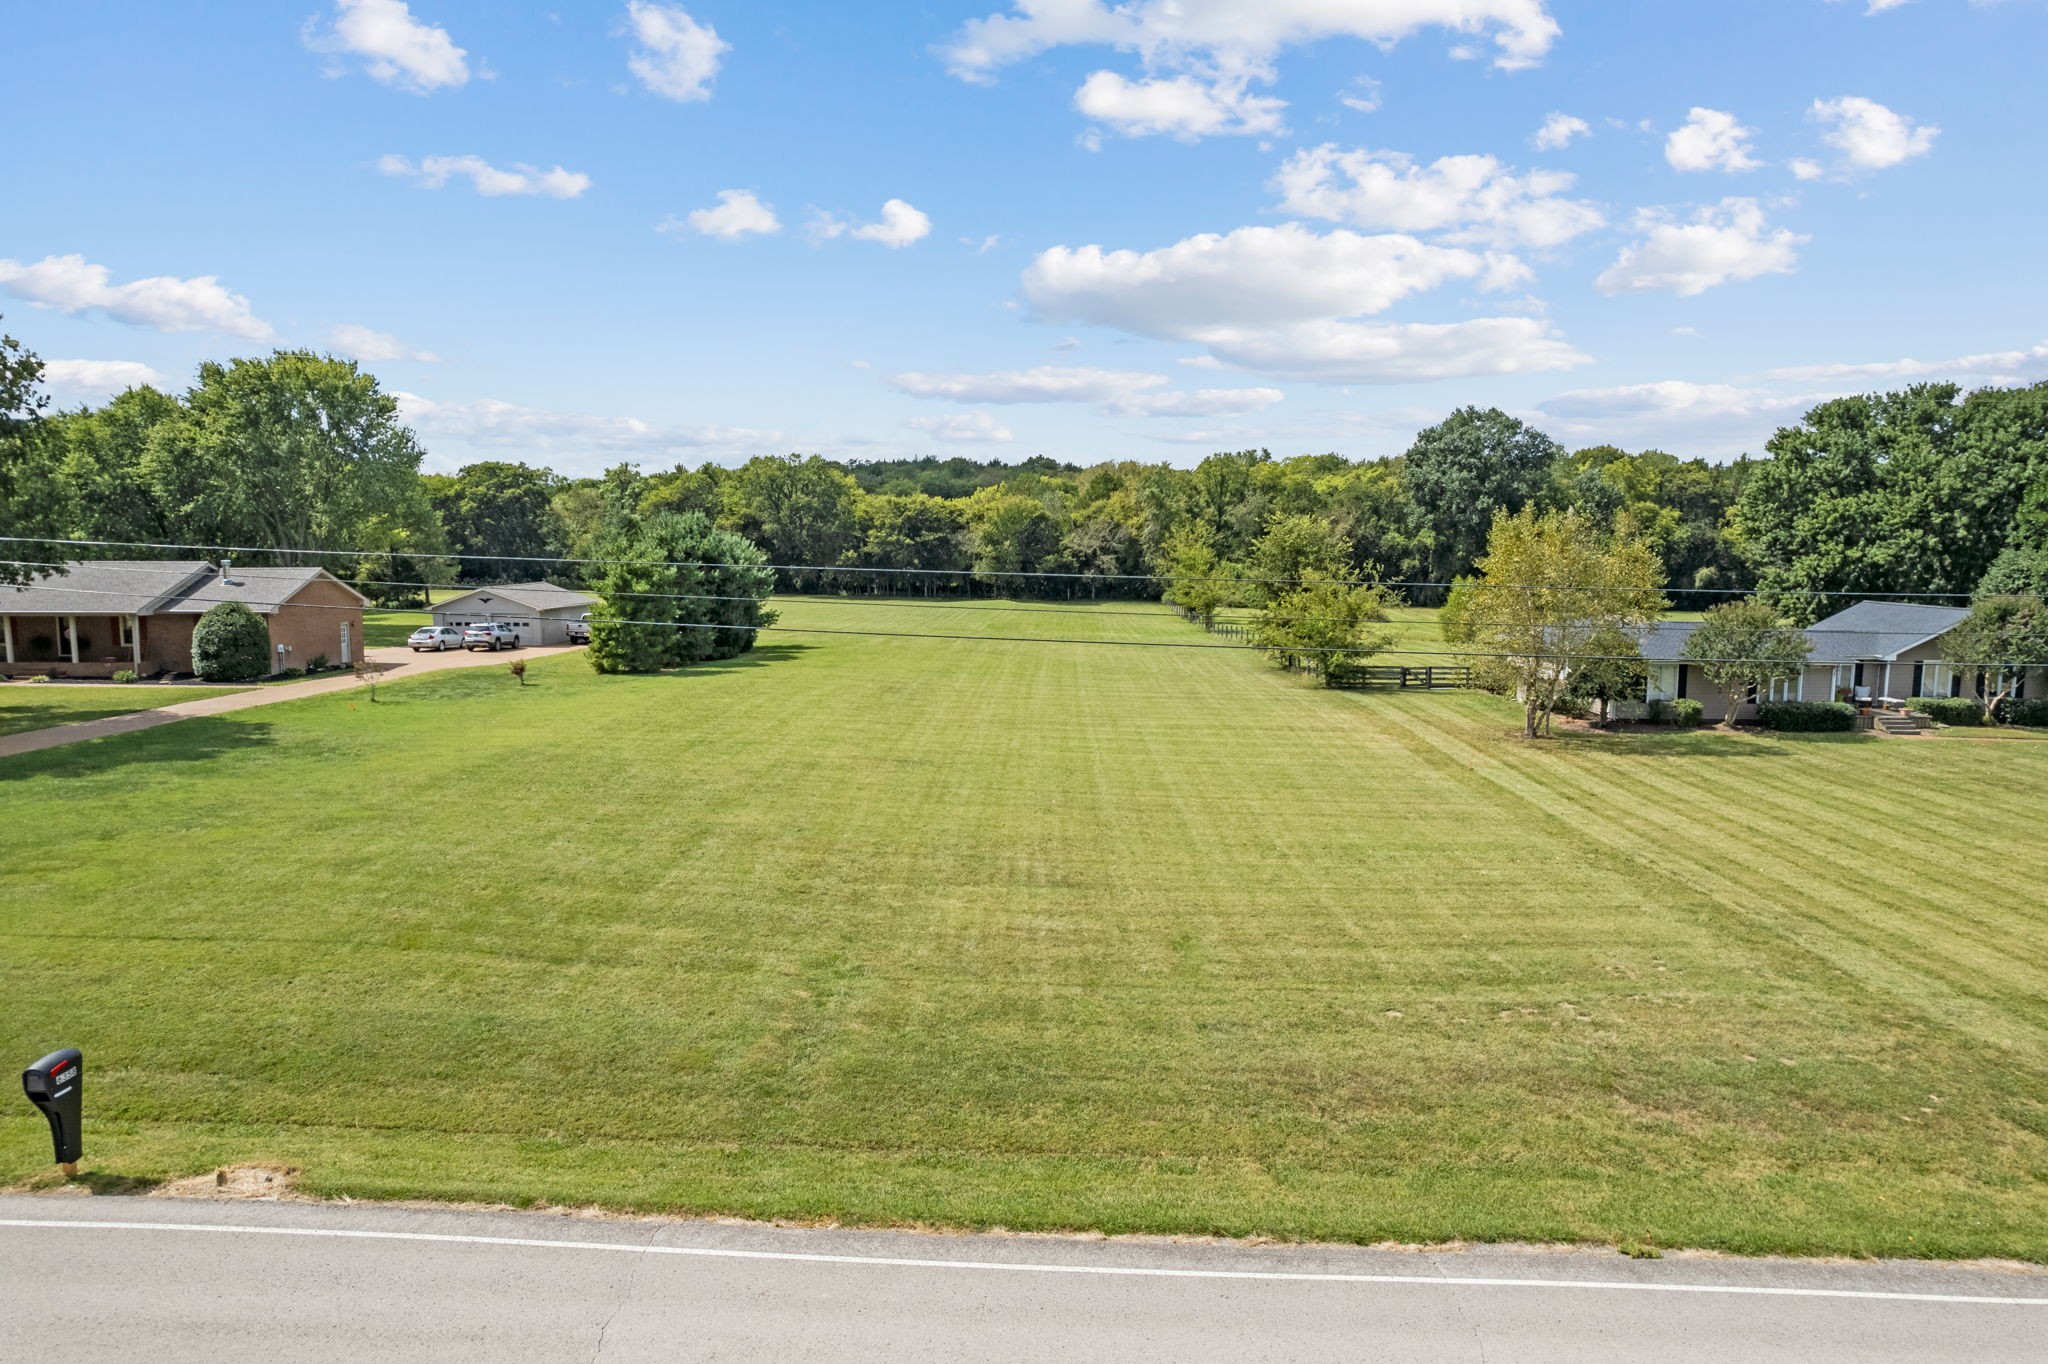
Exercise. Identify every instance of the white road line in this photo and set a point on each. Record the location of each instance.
(1130, 1271)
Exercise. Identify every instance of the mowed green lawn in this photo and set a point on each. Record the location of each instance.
(1048, 935)
(26, 705)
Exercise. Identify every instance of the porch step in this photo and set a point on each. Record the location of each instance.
(1891, 722)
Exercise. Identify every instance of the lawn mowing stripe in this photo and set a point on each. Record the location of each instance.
(1932, 995)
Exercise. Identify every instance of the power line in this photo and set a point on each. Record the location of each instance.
(969, 603)
(964, 572)
(1353, 651)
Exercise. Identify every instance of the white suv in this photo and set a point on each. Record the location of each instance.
(489, 634)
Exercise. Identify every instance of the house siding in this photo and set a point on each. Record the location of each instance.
(310, 624)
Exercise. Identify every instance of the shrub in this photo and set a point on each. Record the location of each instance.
(1657, 712)
(1688, 714)
(40, 677)
(1948, 710)
(292, 674)
(517, 667)
(1807, 717)
(2032, 712)
(125, 675)
(318, 664)
(230, 644)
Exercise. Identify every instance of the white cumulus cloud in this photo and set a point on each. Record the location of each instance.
(72, 284)
(1725, 242)
(738, 214)
(1994, 367)
(1283, 301)
(1473, 198)
(675, 56)
(1229, 36)
(1044, 384)
(964, 428)
(1715, 420)
(900, 225)
(98, 378)
(1558, 131)
(1869, 136)
(363, 343)
(1363, 94)
(396, 49)
(434, 172)
(490, 423)
(1711, 140)
(1185, 107)
(1124, 393)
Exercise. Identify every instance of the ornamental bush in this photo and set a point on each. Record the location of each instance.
(1687, 713)
(1807, 717)
(1948, 710)
(230, 644)
(2033, 712)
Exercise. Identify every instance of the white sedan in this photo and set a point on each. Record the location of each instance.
(435, 637)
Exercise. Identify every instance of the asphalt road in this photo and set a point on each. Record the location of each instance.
(167, 1279)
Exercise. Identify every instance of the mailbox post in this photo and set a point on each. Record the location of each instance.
(56, 1084)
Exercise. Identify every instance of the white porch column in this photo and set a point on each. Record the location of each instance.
(1802, 686)
(7, 634)
(72, 623)
(1887, 683)
(135, 640)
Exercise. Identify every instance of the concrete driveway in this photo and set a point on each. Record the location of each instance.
(397, 665)
(123, 1278)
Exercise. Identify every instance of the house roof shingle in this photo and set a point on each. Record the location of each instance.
(262, 590)
(149, 587)
(1876, 631)
(104, 587)
(532, 596)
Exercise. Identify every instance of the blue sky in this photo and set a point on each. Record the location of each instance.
(701, 231)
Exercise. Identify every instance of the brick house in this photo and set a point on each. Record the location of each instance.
(102, 616)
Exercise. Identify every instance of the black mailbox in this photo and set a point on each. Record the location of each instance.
(56, 1084)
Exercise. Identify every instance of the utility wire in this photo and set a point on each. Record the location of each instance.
(1168, 578)
(965, 603)
(1465, 654)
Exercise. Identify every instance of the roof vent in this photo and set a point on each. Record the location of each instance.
(227, 572)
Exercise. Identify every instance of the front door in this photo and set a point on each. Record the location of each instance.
(346, 659)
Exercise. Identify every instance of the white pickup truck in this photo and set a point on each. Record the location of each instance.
(578, 630)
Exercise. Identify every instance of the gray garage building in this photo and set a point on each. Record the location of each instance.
(539, 613)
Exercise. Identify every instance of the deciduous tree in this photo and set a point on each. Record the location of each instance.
(2002, 637)
(1552, 591)
(1466, 470)
(1743, 647)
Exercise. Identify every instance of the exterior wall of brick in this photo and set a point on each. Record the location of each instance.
(311, 624)
(167, 643)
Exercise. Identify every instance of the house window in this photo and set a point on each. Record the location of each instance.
(1786, 690)
(1936, 679)
(1663, 682)
(127, 632)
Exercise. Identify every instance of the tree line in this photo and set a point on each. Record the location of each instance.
(1929, 490)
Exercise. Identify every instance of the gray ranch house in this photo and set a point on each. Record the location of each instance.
(1875, 653)
(539, 613)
